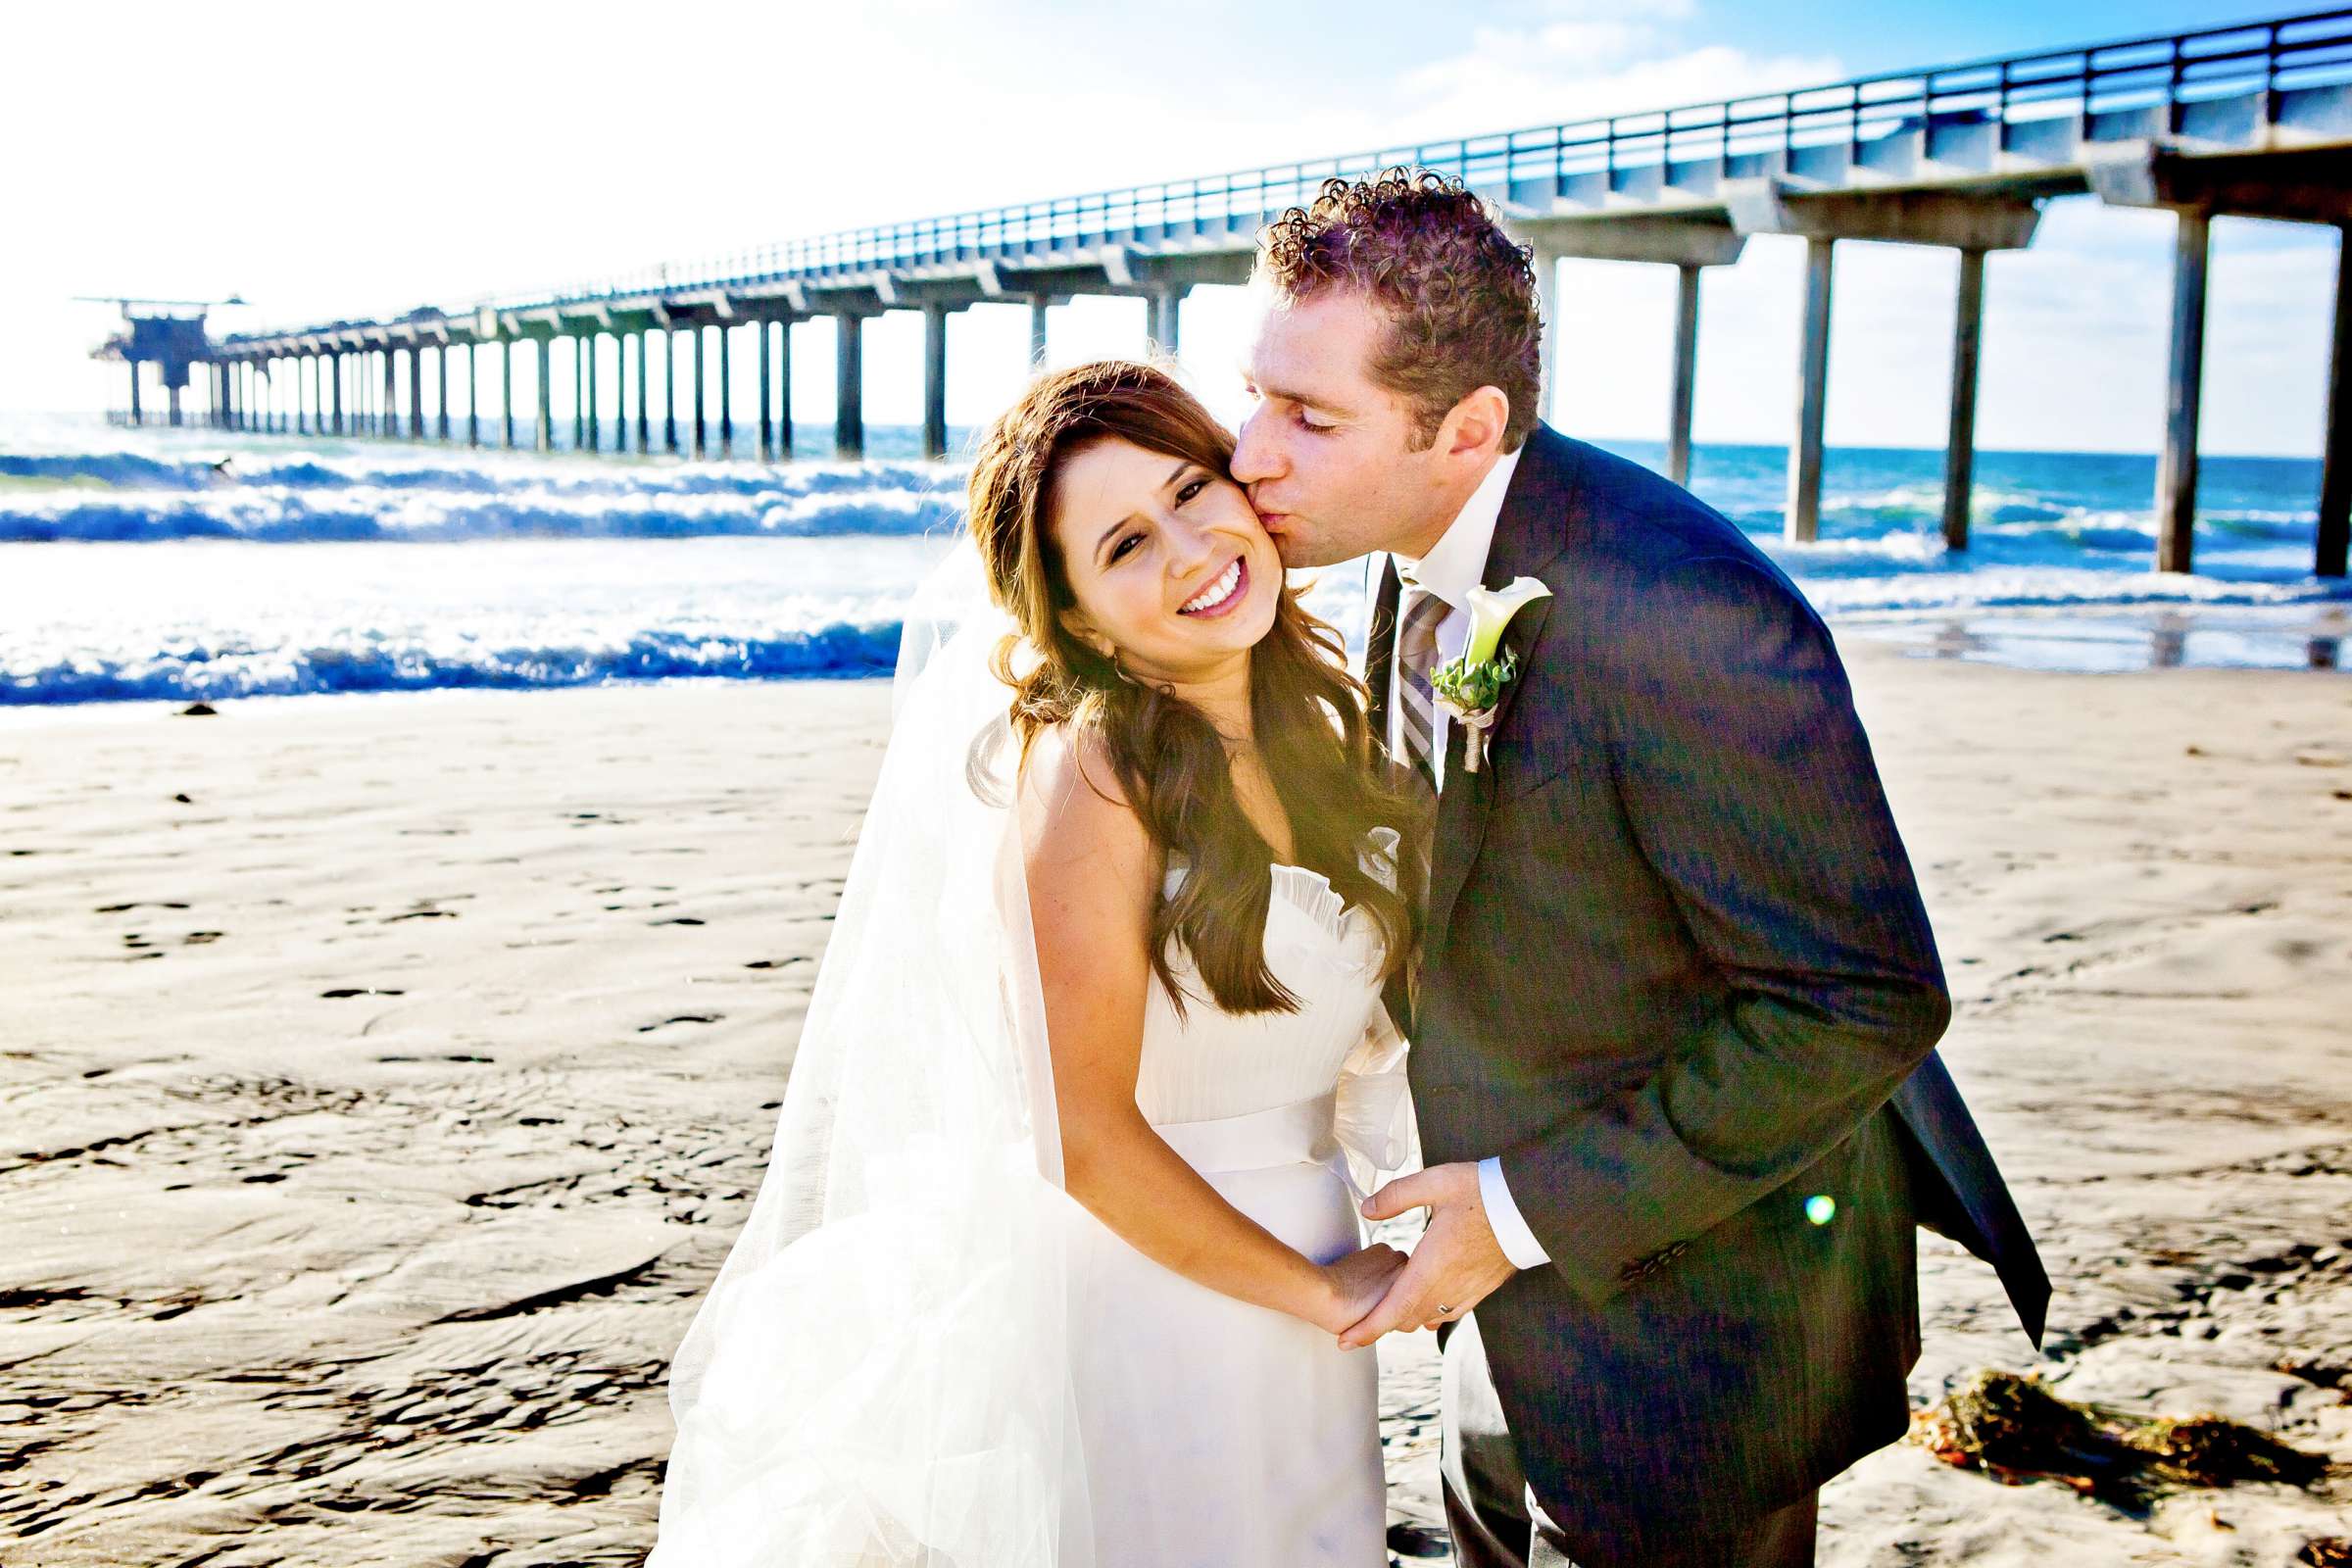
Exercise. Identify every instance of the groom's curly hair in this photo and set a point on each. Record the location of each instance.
(1459, 293)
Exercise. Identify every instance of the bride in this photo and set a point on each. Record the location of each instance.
(1059, 1227)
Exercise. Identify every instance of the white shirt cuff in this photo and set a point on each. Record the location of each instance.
(1518, 1243)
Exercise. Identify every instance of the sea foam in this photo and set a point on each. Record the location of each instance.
(176, 565)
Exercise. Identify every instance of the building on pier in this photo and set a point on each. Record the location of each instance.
(166, 335)
(2252, 120)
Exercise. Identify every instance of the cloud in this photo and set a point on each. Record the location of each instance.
(1597, 61)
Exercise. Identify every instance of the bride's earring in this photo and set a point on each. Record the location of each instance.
(1111, 650)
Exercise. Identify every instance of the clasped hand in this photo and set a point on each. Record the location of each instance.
(1456, 1264)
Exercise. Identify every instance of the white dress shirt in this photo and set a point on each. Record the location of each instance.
(1455, 565)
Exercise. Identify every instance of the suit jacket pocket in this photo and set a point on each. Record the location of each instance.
(1533, 751)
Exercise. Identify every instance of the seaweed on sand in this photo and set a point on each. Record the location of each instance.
(2014, 1430)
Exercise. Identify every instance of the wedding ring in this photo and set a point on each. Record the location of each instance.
(1442, 1307)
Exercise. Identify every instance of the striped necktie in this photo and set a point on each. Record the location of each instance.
(1416, 659)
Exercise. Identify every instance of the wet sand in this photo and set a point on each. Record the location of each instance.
(384, 1078)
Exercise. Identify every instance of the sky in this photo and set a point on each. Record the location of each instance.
(320, 166)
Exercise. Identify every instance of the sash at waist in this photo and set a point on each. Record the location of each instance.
(1296, 1134)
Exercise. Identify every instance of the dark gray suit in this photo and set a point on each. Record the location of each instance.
(1677, 974)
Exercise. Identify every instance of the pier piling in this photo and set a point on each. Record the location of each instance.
(644, 394)
(848, 386)
(544, 436)
(1685, 374)
(784, 389)
(2176, 464)
(592, 438)
(1546, 264)
(727, 390)
(1803, 519)
(767, 393)
(1166, 318)
(935, 381)
(620, 391)
(1960, 443)
(670, 388)
(700, 333)
(1037, 331)
(2335, 472)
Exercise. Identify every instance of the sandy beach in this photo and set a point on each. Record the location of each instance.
(385, 1077)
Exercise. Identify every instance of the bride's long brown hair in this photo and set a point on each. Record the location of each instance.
(1307, 709)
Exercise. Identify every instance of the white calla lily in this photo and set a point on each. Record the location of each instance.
(1491, 610)
(1470, 688)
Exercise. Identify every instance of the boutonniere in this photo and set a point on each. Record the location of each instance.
(1470, 686)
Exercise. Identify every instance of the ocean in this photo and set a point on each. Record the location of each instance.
(162, 565)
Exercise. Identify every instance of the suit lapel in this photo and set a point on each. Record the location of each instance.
(1380, 648)
(1529, 536)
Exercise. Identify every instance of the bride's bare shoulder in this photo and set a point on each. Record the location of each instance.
(1075, 816)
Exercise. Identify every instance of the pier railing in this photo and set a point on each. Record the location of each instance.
(2169, 72)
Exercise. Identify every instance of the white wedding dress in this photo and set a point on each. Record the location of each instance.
(1214, 1432)
(921, 1351)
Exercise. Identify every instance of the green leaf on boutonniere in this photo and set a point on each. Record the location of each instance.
(1473, 688)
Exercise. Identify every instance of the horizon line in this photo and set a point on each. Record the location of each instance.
(1697, 442)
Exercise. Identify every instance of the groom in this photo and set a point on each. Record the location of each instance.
(1674, 1023)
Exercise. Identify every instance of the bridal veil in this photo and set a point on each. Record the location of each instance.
(881, 1373)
